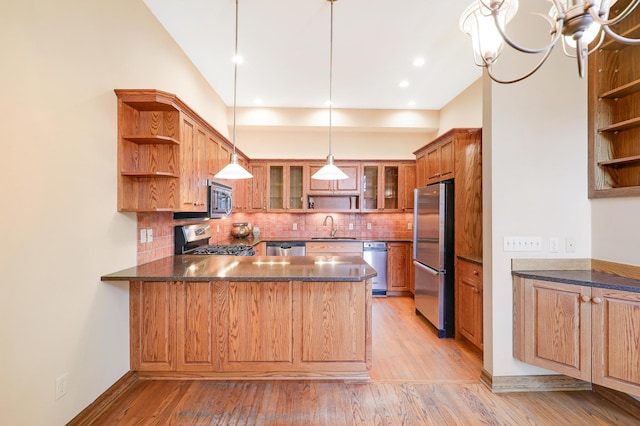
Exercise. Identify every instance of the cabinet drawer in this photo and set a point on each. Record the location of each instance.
(470, 270)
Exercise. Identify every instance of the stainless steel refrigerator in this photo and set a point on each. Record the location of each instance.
(433, 255)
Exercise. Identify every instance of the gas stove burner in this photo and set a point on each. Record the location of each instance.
(226, 249)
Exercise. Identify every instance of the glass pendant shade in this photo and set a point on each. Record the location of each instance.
(477, 22)
(233, 170)
(329, 171)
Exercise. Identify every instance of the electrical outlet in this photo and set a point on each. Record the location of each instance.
(522, 244)
(351, 227)
(149, 235)
(217, 228)
(571, 245)
(409, 226)
(143, 235)
(295, 226)
(554, 244)
(62, 385)
(368, 225)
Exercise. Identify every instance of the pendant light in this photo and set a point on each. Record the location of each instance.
(330, 171)
(234, 170)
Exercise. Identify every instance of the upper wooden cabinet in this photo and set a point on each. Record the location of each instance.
(348, 186)
(286, 186)
(407, 183)
(380, 187)
(439, 160)
(614, 114)
(166, 152)
(258, 187)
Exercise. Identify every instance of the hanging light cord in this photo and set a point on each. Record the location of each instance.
(235, 80)
(331, 76)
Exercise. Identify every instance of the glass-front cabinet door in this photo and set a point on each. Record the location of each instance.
(296, 187)
(276, 187)
(286, 186)
(370, 187)
(391, 188)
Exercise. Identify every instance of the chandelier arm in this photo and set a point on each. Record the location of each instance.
(595, 14)
(621, 39)
(593, 49)
(505, 37)
(530, 73)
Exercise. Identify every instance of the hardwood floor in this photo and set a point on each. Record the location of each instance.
(416, 379)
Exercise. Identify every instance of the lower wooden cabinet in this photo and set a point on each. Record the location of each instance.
(334, 248)
(586, 333)
(468, 299)
(399, 263)
(279, 329)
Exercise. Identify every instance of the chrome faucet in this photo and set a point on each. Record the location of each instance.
(333, 227)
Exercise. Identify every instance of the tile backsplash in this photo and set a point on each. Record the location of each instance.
(365, 226)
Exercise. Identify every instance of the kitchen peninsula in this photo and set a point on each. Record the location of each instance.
(250, 317)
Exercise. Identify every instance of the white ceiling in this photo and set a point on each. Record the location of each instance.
(285, 46)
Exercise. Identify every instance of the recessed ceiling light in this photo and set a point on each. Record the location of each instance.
(328, 103)
(411, 103)
(418, 62)
(238, 59)
(404, 83)
(257, 101)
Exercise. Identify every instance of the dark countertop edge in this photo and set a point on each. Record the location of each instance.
(586, 278)
(237, 279)
(472, 259)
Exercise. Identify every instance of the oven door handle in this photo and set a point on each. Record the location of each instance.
(229, 204)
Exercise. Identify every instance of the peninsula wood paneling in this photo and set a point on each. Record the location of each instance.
(333, 321)
(260, 322)
(196, 326)
(468, 194)
(153, 332)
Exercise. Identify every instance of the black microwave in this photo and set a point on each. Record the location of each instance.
(220, 200)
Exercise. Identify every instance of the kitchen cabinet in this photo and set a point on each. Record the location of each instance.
(582, 332)
(406, 185)
(440, 161)
(334, 195)
(258, 185)
(334, 248)
(241, 189)
(286, 186)
(421, 169)
(193, 172)
(380, 187)
(468, 296)
(166, 152)
(399, 263)
(614, 115)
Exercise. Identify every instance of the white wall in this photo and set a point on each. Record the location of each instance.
(615, 230)
(60, 229)
(535, 171)
(465, 110)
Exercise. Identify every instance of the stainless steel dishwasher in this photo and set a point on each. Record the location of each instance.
(286, 248)
(375, 254)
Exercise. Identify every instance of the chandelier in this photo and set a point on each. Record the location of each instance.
(578, 23)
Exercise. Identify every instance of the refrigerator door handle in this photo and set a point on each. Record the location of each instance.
(426, 268)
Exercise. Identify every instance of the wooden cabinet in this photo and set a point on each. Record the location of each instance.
(334, 248)
(286, 186)
(166, 152)
(399, 263)
(468, 296)
(258, 187)
(241, 189)
(421, 169)
(193, 167)
(406, 184)
(468, 194)
(614, 114)
(583, 332)
(225, 329)
(380, 187)
(334, 195)
(440, 161)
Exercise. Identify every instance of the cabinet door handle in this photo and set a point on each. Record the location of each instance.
(597, 300)
(585, 298)
(475, 272)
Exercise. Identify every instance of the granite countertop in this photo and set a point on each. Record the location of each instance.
(248, 268)
(587, 278)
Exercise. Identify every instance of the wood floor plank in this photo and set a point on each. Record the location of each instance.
(417, 379)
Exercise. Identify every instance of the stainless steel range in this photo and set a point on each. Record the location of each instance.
(194, 239)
